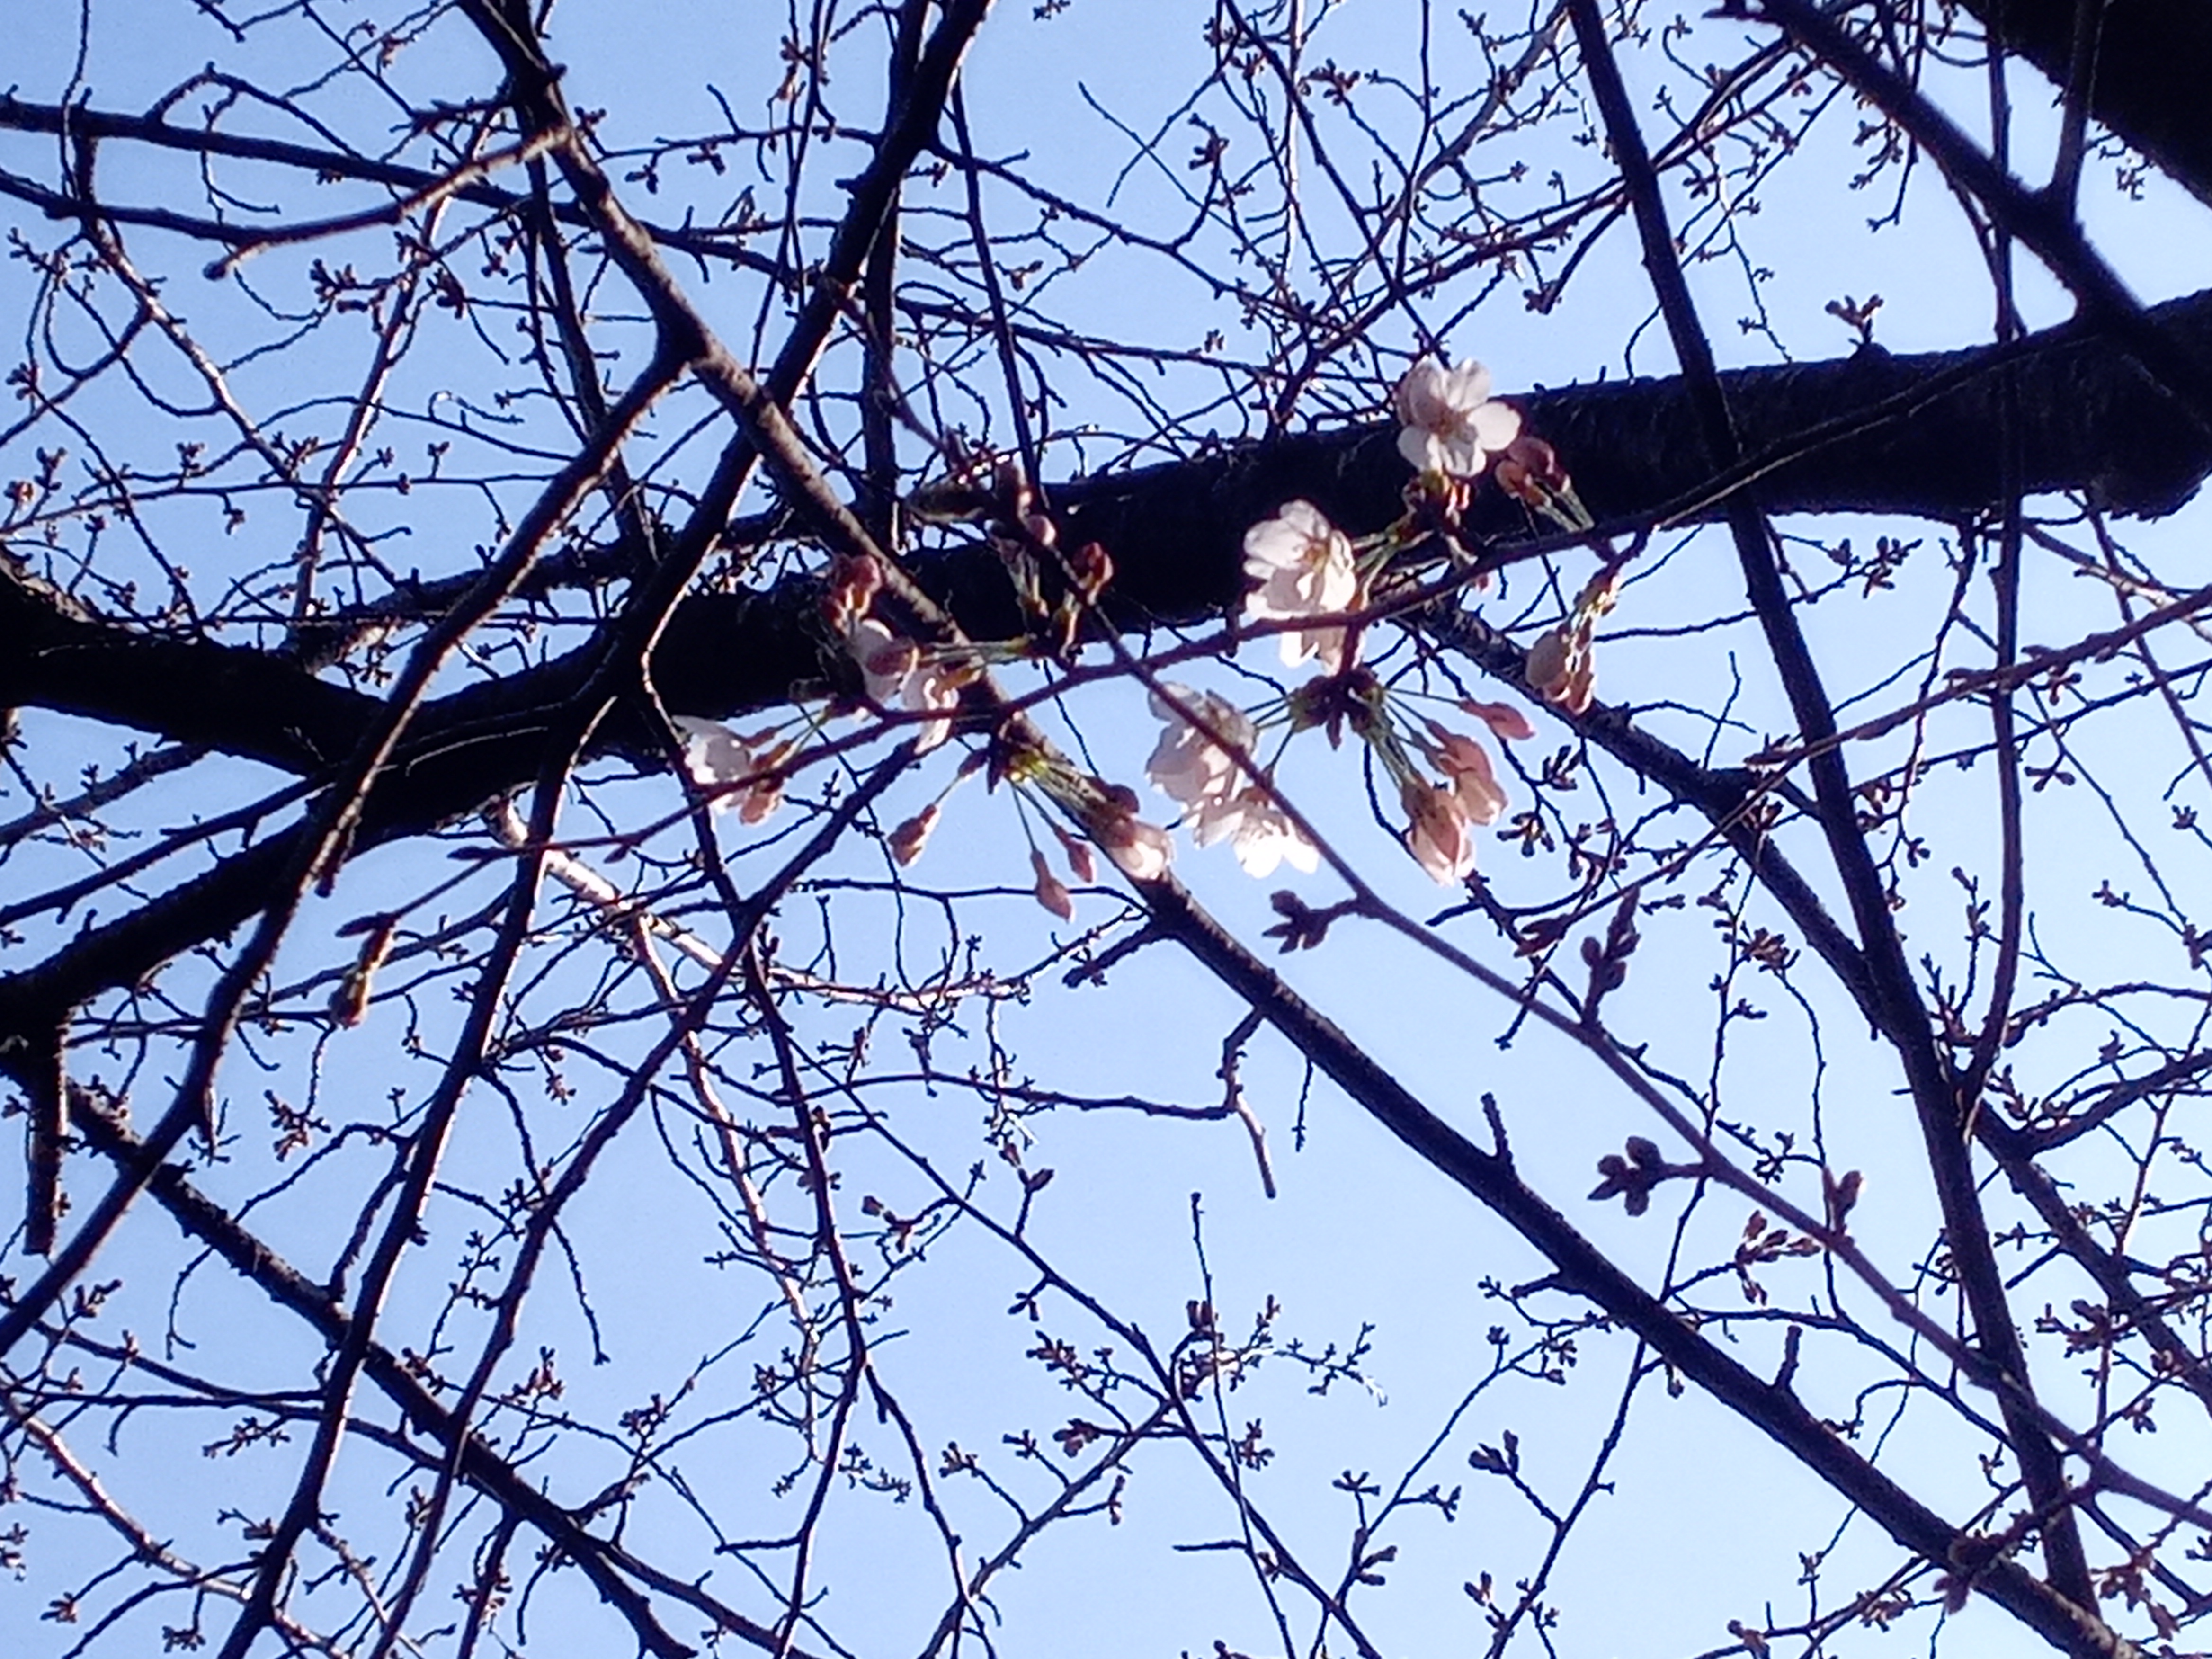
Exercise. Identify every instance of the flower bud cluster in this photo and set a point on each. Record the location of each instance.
(1562, 667)
(1305, 572)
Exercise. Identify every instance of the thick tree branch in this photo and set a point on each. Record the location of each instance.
(1872, 432)
(855, 359)
(2152, 61)
(2044, 224)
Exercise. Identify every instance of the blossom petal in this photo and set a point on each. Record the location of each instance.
(1303, 567)
(1502, 719)
(1449, 422)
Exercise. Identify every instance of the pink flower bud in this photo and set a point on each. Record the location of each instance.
(1050, 891)
(853, 585)
(1467, 764)
(910, 837)
(1529, 468)
(1561, 668)
(1440, 836)
(1092, 567)
(1079, 855)
(1502, 718)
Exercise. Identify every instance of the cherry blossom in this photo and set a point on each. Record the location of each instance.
(1263, 836)
(897, 673)
(886, 662)
(1141, 850)
(1220, 801)
(716, 757)
(1440, 836)
(1188, 766)
(1450, 425)
(1303, 564)
(1466, 764)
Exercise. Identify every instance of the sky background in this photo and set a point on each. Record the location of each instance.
(1707, 1523)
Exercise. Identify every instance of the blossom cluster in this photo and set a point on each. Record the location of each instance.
(1306, 572)
(739, 772)
(1204, 761)
(1308, 583)
(1442, 816)
(745, 773)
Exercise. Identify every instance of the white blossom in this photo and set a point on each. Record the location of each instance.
(899, 674)
(1451, 424)
(886, 661)
(1303, 564)
(1186, 764)
(716, 757)
(1264, 837)
(1141, 850)
(1219, 802)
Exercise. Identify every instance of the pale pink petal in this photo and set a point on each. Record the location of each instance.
(1265, 837)
(1502, 718)
(1496, 426)
(1439, 835)
(1141, 850)
(910, 837)
(1051, 892)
